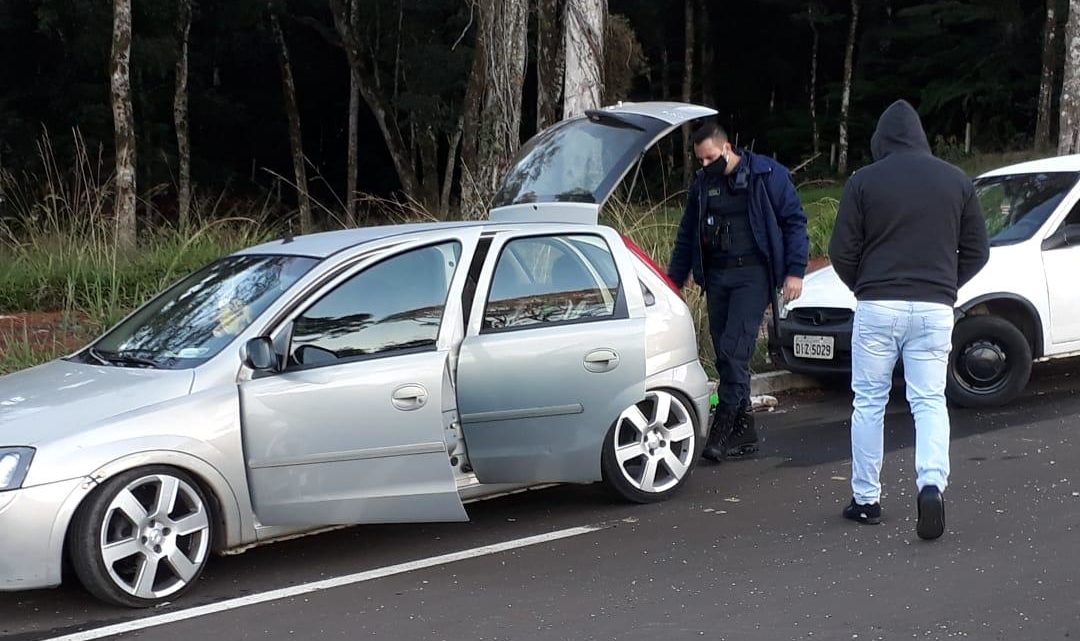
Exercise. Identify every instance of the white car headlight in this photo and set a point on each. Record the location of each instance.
(14, 464)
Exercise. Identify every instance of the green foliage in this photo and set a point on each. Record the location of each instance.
(821, 218)
(57, 250)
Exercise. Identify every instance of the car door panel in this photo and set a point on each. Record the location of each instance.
(353, 431)
(1061, 263)
(328, 446)
(532, 411)
(554, 353)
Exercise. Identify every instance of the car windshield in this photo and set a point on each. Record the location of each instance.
(1018, 205)
(195, 319)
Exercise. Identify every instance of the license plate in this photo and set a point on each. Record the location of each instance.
(816, 347)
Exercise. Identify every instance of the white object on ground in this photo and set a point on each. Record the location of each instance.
(763, 403)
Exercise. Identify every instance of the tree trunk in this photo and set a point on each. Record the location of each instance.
(372, 93)
(353, 170)
(1069, 126)
(665, 94)
(665, 74)
(354, 149)
(428, 146)
(707, 54)
(845, 97)
(501, 46)
(813, 80)
(687, 86)
(295, 136)
(451, 165)
(180, 112)
(1046, 82)
(550, 61)
(584, 81)
(123, 122)
(471, 114)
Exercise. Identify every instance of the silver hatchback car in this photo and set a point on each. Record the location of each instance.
(376, 375)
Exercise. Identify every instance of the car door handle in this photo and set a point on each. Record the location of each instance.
(409, 397)
(601, 360)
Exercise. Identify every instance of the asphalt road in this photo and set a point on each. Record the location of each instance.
(749, 550)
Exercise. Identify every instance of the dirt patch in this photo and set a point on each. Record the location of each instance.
(41, 331)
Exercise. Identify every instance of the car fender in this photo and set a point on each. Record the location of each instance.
(1029, 308)
(230, 513)
(199, 433)
(61, 521)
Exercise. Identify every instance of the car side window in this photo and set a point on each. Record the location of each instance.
(392, 306)
(548, 280)
(1074, 216)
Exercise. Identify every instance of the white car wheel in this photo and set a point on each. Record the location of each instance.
(651, 449)
(144, 537)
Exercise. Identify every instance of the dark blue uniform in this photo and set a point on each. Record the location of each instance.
(740, 236)
(737, 285)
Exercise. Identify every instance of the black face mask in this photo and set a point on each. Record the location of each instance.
(716, 168)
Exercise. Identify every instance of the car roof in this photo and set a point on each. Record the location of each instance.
(328, 243)
(324, 244)
(1042, 165)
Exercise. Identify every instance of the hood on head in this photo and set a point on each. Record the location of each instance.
(898, 129)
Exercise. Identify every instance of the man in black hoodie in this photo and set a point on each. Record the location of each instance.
(908, 235)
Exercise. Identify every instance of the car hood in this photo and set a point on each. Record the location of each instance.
(60, 398)
(823, 288)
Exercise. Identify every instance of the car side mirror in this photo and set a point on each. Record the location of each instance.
(259, 354)
(1067, 236)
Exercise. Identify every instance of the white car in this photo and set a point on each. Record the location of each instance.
(1021, 308)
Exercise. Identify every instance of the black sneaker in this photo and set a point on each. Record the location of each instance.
(931, 522)
(865, 514)
(744, 436)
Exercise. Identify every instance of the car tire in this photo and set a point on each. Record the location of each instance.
(651, 450)
(990, 363)
(154, 518)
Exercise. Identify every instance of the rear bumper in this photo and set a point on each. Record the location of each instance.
(33, 524)
(782, 347)
(689, 379)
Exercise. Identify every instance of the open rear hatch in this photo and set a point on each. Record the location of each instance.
(568, 171)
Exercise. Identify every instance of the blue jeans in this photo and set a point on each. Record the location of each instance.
(921, 334)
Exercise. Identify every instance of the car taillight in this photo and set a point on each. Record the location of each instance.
(645, 258)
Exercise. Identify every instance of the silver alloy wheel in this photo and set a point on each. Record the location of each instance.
(654, 442)
(155, 536)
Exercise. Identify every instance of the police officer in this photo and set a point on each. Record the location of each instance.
(743, 236)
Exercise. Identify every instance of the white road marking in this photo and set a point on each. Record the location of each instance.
(326, 584)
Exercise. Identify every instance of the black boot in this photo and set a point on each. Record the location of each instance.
(723, 421)
(744, 437)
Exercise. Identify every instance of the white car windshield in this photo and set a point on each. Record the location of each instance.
(1018, 205)
(195, 319)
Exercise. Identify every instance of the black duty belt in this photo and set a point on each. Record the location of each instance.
(729, 262)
